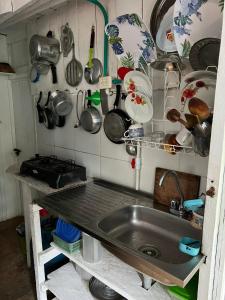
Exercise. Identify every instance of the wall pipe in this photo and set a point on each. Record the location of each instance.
(105, 73)
(106, 48)
(138, 167)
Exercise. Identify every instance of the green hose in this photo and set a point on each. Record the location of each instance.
(106, 18)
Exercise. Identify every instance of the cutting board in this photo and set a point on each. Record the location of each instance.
(189, 185)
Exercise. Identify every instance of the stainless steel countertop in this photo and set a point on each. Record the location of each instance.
(86, 205)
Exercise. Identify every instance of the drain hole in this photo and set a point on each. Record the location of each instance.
(150, 251)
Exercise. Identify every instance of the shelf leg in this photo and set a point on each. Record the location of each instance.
(37, 248)
(27, 200)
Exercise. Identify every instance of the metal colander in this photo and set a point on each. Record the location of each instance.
(102, 291)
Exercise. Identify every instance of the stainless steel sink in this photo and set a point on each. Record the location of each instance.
(141, 236)
(151, 233)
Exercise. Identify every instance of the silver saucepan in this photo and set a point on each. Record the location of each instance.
(90, 118)
(61, 103)
(45, 49)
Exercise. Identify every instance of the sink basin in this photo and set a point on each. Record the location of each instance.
(153, 234)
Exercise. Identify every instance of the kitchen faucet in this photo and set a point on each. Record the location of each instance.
(173, 209)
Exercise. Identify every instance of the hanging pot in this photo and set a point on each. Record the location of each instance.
(61, 103)
(116, 121)
(90, 118)
(45, 49)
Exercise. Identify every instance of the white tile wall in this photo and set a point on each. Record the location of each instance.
(117, 171)
(96, 152)
(24, 121)
(10, 205)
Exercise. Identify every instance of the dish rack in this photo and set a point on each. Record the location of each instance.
(146, 142)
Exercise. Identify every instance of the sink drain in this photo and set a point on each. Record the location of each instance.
(150, 251)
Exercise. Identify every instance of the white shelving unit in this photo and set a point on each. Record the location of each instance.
(66, 284)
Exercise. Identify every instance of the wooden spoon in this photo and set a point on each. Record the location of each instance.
(192, 120)
(199, 108)
(171, 145)
(173, 115)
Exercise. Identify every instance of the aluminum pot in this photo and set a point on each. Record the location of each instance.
(61, 103)
(45, 49)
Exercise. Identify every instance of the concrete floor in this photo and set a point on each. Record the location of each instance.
(16, 280)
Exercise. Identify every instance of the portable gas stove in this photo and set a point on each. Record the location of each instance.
(57, 173)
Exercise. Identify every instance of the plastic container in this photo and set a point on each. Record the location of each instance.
(69, 247)
(91, 249)
(189, 246)
(67, 232)
(189, 292)
(194, 204)
(198, 219)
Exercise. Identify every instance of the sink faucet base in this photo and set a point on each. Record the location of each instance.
(175, 208)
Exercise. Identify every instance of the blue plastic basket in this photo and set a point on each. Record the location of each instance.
(69, 247)
(67, 232)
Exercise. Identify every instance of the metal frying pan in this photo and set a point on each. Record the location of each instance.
(116, 121)
(160, 9)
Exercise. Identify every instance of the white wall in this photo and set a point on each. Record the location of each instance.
(21, 91)
(101, 157)
(16, 115)
(10, 205)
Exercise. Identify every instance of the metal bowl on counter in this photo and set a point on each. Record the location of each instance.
(101, 291)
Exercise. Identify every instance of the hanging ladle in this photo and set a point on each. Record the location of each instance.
(93, 70)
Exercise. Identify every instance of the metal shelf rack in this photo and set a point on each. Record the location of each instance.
(146, 142)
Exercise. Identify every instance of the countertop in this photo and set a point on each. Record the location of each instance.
(86, 205)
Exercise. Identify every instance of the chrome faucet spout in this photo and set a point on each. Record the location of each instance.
(175, 176)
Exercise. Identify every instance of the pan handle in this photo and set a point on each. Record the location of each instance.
(80, 92)
(89, 95)
(48, 98)
(40, 109)
(54, 74)
(92, 45)
(92, 42)
(40, 97)
(118, 94)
